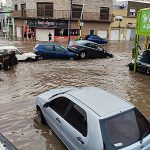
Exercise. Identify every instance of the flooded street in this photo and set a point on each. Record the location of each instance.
(20, 86)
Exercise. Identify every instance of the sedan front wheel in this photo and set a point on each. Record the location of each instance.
(83, 55)
(40, 116)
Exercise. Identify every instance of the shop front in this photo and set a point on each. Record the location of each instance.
(57, 28)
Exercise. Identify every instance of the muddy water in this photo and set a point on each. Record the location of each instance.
(20, 86)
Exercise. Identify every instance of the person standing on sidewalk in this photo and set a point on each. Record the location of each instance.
(25, 35)
(50, 36)
(29, 35)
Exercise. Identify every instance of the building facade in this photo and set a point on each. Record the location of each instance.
(52, 16)
(124, 19)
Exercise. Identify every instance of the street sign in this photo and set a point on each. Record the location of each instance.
(143, 22)
(81, 24)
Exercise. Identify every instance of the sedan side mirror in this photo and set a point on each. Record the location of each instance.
(46, 105)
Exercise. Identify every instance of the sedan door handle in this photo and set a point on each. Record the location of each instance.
(80, 140)
(58, 120)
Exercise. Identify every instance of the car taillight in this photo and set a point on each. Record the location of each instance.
(74, 45)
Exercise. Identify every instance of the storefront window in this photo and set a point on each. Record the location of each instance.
(64, 32)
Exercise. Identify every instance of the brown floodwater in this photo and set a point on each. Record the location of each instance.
(20, 86)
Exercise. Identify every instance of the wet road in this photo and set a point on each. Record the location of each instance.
(20, 86)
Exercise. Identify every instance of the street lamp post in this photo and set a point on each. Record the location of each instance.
(70, 20)
(81, 19)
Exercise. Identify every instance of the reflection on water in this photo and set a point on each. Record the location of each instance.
(20, 86)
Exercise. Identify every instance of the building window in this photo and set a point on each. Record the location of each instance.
(76, 11)
(132, 13)
(104, 13)
(64, 32)
(118, 18)
(23, 10)
(16, 7)
(45, 9)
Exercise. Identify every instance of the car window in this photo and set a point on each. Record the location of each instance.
(100, 48)
(125, 129)
(49, 48)
(60, 49)
(78, 119)
(59, 105)
(92, 45)
(145, 57)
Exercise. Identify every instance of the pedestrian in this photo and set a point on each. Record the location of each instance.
(25, 35)
(50, 36)
(29, 35)
(149, 46)
(61, 32)
(33, 36)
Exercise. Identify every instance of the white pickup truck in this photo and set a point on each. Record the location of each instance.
(20, 56)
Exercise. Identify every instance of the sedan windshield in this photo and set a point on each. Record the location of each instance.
(145, 57)
(124, 129)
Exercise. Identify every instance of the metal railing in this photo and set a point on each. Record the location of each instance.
(62, 14)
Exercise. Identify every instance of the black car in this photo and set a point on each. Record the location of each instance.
(96, 39)
(88, 49)
(143, 63)
(6, 144)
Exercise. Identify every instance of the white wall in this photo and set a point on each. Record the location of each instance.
(42, 34)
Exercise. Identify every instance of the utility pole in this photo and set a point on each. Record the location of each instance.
(70, 20)
(81, 19)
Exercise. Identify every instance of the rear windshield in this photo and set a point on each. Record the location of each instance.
(124, 129)
(145, 58)
(81, 42)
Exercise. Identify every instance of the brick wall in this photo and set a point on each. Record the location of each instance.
(90, 5)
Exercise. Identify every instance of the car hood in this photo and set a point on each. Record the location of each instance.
(53, 92)
(29, 54)
(5, 144)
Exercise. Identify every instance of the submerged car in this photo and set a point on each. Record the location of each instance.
(20, 56)
(7, 60)
(53, 50)
(92, 119)
(88, 49)
(96, 39)
(143, 63)
(5, 144)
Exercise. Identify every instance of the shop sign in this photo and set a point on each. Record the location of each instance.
(143, 22)
(43, 23)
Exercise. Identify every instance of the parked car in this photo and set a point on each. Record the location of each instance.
(5, 144)
(143, 63)
(53, 50)
(7, 60)
(88, 49)
(92, 119)
(20, 56)
(96, 39)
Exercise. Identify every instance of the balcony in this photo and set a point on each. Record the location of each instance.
(131, 25)
(62, 14)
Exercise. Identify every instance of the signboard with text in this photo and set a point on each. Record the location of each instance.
(143, 22)
(44, 23)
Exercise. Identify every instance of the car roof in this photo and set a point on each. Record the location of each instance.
(49, 43)
(84, 42)
(7, 47)
(100, 101)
